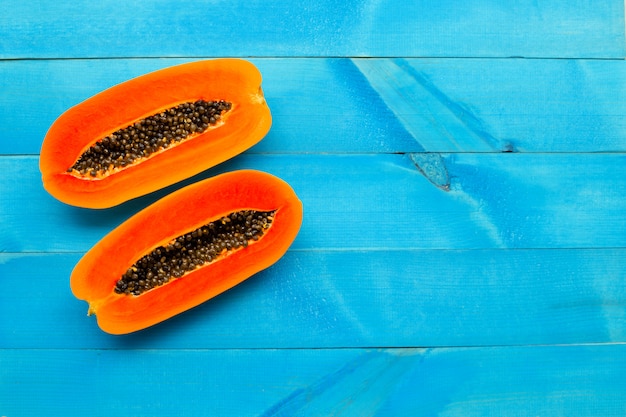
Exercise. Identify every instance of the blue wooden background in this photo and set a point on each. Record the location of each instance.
(462, 166)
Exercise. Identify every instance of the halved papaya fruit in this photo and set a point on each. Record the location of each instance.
(186, 248)
(153, 131)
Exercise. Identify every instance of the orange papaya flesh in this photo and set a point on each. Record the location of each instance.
(69, 174)
(230, 204)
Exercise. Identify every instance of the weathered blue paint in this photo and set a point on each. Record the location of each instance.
(433, 167)
(463, 247)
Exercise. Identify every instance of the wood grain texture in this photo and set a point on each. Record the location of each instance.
(513, 381)
(475, 28)
(353, 299)
(369, 105)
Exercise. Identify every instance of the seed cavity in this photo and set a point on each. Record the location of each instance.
(194, 250)
(145, 137)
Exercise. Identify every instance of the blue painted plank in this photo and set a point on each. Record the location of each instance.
(476, 28)
(537, 381)
(505, 105)
(378, 202)
(349, 299)
(369, 105)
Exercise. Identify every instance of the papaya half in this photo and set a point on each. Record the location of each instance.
(153, 131)
(186, 248)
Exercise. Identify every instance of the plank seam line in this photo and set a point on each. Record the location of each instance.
(399, 153)
(370, 249)
(338, 348)
(347, 57)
